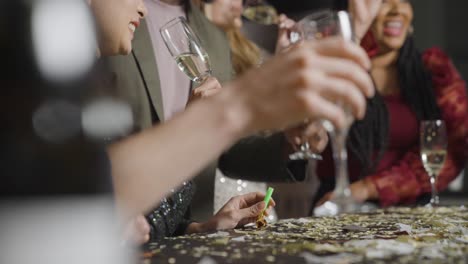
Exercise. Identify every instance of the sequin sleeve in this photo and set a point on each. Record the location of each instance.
(407, 180)
(172, 216)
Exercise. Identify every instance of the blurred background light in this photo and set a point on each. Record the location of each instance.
(64, 39)
(107, 119)
(57, 121)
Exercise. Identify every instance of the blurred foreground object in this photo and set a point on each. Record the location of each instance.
(43, 151)
(56, 202)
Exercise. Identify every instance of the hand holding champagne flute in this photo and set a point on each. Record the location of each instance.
(185, 47)
(317, 26)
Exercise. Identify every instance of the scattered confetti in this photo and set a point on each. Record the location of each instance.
(394, 235)
(238, 239)
(219, 234)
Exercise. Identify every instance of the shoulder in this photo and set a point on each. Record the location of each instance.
(435, 56)
(119, 63)
(440, 66)
(121, 71)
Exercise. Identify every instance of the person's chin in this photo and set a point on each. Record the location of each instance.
(395, 43)
(126, 49)
(398, 44)
(238, 23)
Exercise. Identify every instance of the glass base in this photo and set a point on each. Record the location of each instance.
(433, 203)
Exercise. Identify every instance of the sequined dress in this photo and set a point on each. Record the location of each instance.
(172, 217)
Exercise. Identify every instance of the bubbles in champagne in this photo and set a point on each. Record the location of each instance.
(196, 66)
(433, 160)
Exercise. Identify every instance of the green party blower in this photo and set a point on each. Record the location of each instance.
(267, 198)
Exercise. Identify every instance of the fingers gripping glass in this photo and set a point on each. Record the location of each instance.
(323, 24)
(433, 143)
(186, 49)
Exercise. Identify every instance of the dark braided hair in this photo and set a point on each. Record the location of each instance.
(416, 82)
(370, 135)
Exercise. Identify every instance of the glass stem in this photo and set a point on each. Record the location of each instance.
(340, 156)
(435, 196)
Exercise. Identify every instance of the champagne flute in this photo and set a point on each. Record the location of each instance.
(185, 47)
(433, 143)
(319, 25)
(316, 26)
(261, 12)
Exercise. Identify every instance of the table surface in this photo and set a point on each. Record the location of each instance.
(398, 235)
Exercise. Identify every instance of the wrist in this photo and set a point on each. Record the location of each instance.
(221, 114)
(373, 194)
(204, 227)
(194, 228)
(235, 112)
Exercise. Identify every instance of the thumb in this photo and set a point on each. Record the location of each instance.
(253, 211)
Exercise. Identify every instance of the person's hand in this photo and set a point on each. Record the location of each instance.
(209, 87)
(285, 25)
(237, 212)
(302, 83)
(362, 190)
(363, 13)
(137, 231)
(313, 133)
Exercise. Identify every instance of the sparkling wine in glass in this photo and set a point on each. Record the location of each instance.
(185, 47)
(433, 143)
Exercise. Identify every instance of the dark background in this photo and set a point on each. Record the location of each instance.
(442, 23)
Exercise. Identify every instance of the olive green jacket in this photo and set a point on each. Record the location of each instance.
(136, 80)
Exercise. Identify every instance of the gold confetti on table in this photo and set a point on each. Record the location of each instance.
(395, 235)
